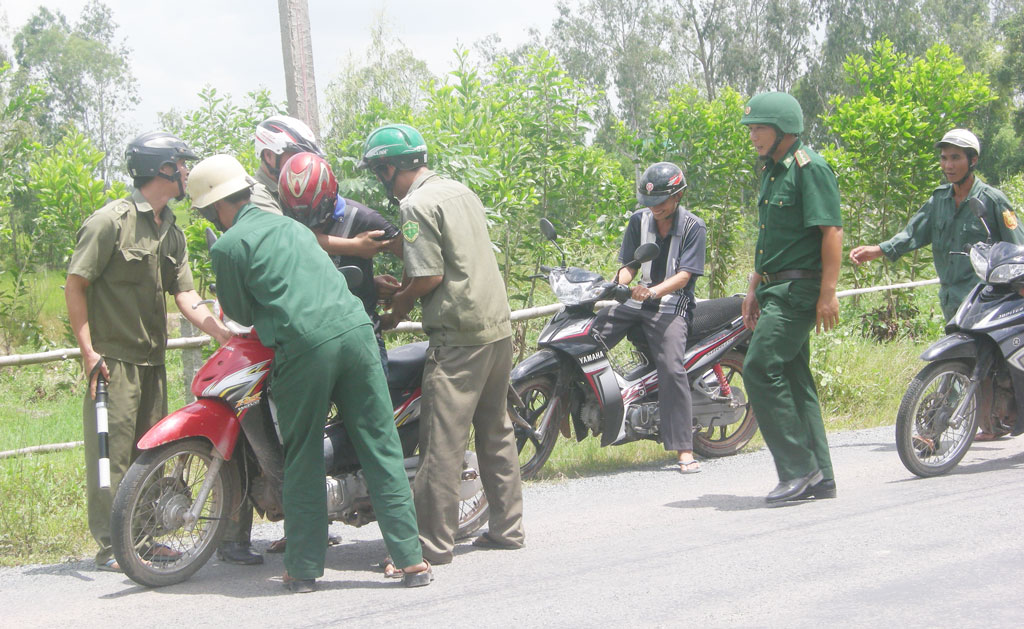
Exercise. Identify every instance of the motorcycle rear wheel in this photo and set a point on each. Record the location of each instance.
(473, 507)
(147, 521)
(716, 441)
(927, 444)
(536, 394)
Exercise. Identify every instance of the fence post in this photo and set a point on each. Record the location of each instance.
(191, 358)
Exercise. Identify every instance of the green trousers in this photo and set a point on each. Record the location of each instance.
(463, 387)
(136, 400)
(779, 383)
(347, 371)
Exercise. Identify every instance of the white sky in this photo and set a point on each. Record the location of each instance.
(235, 45)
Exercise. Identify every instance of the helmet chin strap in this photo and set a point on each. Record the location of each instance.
(176, 177)
(775, 145)
(389, 187)
(970, 171)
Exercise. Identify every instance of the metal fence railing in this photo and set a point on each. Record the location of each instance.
(192, 344)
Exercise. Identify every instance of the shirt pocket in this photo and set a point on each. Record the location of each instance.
(782, 207)
(132, 266)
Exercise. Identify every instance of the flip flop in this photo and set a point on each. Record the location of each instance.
(391, 571)
(278, 546)
(685, 468)
(988, 436)
(162, 553)
(418, 579)
(109, 565)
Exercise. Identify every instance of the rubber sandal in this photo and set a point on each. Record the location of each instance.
(685, 468)
(162, 553)
(298, 586)
(279, 546)
(391, 571)
(109, 565)
(988, 436)
(418, 579)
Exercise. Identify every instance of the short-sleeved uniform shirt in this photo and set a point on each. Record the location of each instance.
(351, 219)
(948, 229)
(799, 195)
(445, 233)
(693, 237)
(272, 274)
(130, 263)
(264, 193)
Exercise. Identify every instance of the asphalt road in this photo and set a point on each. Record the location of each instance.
(647, 547)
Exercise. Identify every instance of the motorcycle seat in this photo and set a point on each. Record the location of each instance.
(712, 315)
(405, 365)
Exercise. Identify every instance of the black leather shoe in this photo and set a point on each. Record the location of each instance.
(821, 491)
(795, 488)
(239, 553)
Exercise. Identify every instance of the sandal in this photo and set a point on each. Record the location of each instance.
(279, 546)
(989, 436)
(162, 553)
(391, 571)
(110, 565)
(689, 467)
(418, 579)
(298, 586)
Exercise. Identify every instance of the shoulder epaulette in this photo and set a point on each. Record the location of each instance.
(802, 158)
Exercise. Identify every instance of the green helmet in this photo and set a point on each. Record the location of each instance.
(777, 109)
(400, 145)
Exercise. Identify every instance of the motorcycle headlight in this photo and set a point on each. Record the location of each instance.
(1006, 273)
(979, 260)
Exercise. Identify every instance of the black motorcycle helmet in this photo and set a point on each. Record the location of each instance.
(151, 150)
(659, 182)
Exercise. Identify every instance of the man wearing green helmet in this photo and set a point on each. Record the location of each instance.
(792, 290)
(451, 268)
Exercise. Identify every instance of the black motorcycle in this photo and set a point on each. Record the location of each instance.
(572, 383)
(975, 374)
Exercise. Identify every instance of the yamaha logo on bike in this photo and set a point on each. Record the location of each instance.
(589, 358)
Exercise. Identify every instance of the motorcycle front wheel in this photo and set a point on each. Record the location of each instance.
(929, 442)
(151, 540)
(716, 441)
(537, 395)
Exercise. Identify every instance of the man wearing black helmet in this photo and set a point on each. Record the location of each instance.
(129, 253)
(662, 302)
(792, 290)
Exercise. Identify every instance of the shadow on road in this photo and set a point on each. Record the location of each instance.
(725, 502)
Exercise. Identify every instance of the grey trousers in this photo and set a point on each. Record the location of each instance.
(463, 387)
(666, 335)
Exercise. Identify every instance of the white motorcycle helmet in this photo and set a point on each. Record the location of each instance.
(278, 134)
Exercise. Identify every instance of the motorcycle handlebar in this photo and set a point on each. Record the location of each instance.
(547, 269)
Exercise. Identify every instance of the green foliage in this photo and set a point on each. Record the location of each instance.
(67, 193)
(705, 139)
(886, 161)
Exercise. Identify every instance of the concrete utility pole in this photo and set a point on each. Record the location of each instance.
(297, 46)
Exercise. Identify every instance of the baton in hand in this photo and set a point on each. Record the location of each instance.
(101, 425)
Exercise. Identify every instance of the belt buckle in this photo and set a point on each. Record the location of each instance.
(766, 278)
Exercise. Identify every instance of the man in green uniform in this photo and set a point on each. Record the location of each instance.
(792, 290)
(127, 255)
(450, 266)
(947, 223)
(271, 275)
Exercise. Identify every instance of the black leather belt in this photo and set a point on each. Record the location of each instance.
(795, 274)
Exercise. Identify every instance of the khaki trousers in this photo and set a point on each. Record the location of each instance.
(463, 387)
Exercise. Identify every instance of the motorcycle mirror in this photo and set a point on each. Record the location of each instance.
(548, 230)
(353, 275)
(211, 237)
(645, 253)
(979, 210)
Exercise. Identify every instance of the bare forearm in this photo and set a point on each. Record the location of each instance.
(415, 288)
(831, 258)
(78, 311)
(200, 316)
(672, 284)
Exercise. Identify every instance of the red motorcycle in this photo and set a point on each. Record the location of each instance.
(174, 502)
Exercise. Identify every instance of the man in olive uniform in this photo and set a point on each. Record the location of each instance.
(792, 290)
(450, 266)
(271, 275)
(947, 223)
(127, 255)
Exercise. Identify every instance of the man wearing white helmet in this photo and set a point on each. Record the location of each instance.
(947, 224)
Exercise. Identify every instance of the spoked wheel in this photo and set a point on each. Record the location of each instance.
(473, 509)
(155, 539)
(929, 439)
(716, 441)
(536, 394)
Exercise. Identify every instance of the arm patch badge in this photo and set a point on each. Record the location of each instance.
(1009, 219)
(410, 231)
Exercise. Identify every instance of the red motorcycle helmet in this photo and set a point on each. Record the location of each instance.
(307, 189)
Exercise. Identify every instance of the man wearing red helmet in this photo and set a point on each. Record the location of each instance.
(308, 192)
